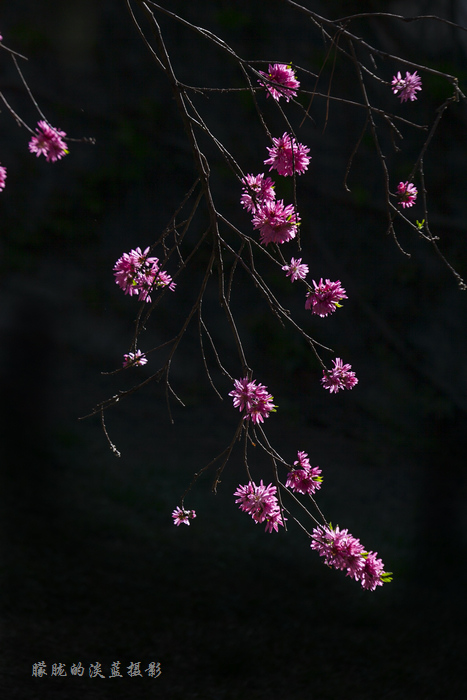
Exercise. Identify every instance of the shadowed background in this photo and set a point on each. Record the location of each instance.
(92, 567)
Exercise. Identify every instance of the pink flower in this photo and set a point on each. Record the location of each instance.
(339, 377)
(2, 176)
(305, 479)
(152, 281)
(325, 297)
(303, 462)
(406, 88)
(276, 223)
(253, 399)
(138, 274)
(263, 191)
(274, 520)
(261, 503)
(287, 156)
(183, 516)
(343, 551)
(257, 501)
(371, 574)
(339, 548)
(407, 194)
(137, 358)
(296, 270)
(49, 142)
(284, 77)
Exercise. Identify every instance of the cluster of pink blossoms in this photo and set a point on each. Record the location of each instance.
(284, 77)
(137, 358)
(253, 399)
(304, 479)
(339, 377)
(287, 156)
(276, 222)
(180, 515)
(325, 297)
(2, 177)
(138, 274)
(261, 503)
(48, 142)
(344, 552)
(407, 194)
(406, 88)
(338, 547)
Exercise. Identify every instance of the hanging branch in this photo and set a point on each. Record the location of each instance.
(233, 253)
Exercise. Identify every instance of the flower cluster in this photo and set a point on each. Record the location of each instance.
(2, 177)
(407, 194)
(286, 82)
(287, 156)
(48, 142)
(253, 399)
(261, 503)
(276, 223)
(325, 297)
(137, 358)
(343, 551)
(256, 190)
(180, 515)
(338, 547)
(296, 270)
(138, 274)
(339, 377)
(304, 479)
(406, 88)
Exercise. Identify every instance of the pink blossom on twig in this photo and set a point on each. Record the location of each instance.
(296, 270)
(138, 274)
(339, 377)
(287, 156)
(261, 503)
(253, 399)
(407, 194)
(262, 188)
(276, 223)
(137, 358)
(181, 515)
(343, 551)
(286, 82)
(325, 297)
(48, 142)
(371, 574)
(406, 88)
(304, 479)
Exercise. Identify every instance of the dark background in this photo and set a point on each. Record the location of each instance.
(92, 567)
